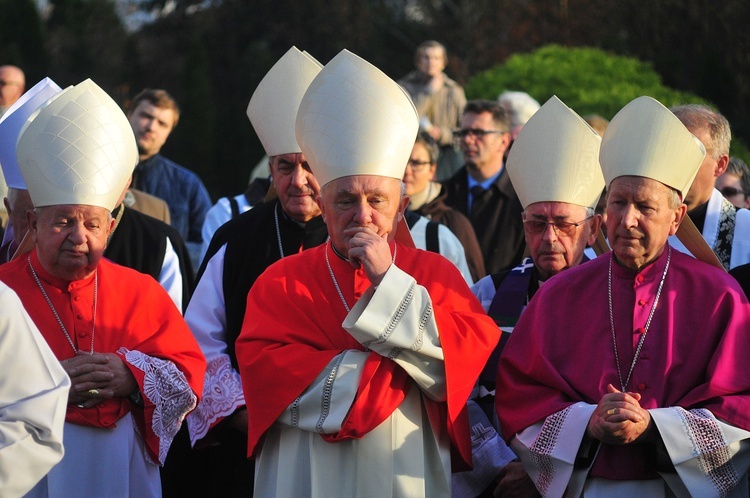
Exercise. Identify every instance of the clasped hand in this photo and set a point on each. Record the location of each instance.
(104, 372)
(619, 418)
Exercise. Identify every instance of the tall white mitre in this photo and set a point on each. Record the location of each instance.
(555, 158)
(273, 107)
(79, 148)
(646, 139)
(10, 127)
(355, 120)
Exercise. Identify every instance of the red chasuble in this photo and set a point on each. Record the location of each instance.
(134, 317)
(694, 355)
(292, 329)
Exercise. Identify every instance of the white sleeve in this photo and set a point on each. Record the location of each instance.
(710, 456)
(33, 399)
(220, 213)
(324, 405)
(206, 317)
(549, 448)
(452, 250)
(485, 291)
(170, 276)
(397, 321)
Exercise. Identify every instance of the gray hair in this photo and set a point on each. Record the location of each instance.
(697, 117)
(519, 106)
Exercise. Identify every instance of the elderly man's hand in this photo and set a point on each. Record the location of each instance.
(370, 250)
(619, 418)
(514, 482)
(96, 377)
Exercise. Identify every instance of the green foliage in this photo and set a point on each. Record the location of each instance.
(588, 80)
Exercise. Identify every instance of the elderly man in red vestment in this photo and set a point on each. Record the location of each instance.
(624, 375)
(135, 368)
(357, 357)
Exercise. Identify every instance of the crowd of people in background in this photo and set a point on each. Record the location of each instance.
(425, 296)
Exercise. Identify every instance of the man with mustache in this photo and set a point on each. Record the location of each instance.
(554, 168)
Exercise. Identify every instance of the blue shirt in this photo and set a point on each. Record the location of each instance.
(181, 189)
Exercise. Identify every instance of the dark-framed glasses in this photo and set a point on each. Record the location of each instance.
(477, 133)
(417, 165)
(561, 228)
(731, 191)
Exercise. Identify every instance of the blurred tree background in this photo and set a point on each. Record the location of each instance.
(210, 54)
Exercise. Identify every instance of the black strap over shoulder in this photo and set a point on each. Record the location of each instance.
(431, 234)
(235, 206)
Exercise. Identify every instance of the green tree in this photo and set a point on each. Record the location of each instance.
(588, 80)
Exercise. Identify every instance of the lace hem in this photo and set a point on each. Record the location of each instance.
(545, 444)
(222, 395)
(712, 449)
(166, 387)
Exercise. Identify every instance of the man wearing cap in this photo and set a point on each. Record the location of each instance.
(725, 228)
(481, 189)
(357, 356)
(239, 252)
(134, 366)
(555, 169)
(622, 375)
(138, 241)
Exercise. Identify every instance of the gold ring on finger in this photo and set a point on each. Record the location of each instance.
(93, 393)
(611, 411)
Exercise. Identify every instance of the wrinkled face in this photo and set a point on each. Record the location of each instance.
(431, 61)
(730, 187)
(296, 186)
(419, 170)
(552, 250)
(17, 213)
(11, 86)
(369, 201)
(70, 239)
(639, 219)
(151, 125)
(712, 167)
(483, 154)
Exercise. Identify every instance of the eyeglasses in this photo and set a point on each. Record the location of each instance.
(475, 132)
(417, 165)
(561, 228)
(731, 191)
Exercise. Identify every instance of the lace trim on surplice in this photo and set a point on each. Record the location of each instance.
(712, 449)
(543, 446)
(166, 387)
(222, 395)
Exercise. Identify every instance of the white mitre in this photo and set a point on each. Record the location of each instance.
(555, 158)
(12, 122)
(355, 120)
(646, 139)
(274, 104)
(77, 149)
